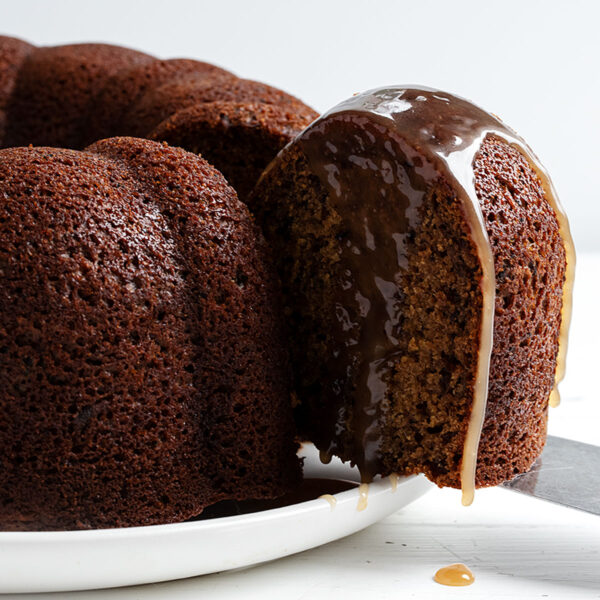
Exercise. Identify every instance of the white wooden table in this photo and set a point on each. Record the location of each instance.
(517, 547)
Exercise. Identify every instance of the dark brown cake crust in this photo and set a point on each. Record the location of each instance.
(142, 370)
(173, 392)
(12, 54)
(162, 102)
(71, 96)
(128, 86)
(239, 138)
(55, 90)
(529, 260)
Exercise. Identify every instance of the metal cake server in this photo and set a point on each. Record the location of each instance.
(566, 473)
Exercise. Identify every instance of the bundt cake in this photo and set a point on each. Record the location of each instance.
(425, 261)
(427, 267)
(143, 374)
(70, 96)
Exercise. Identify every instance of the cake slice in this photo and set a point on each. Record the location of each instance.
(427, 270)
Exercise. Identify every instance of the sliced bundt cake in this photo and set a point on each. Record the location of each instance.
(426, 265)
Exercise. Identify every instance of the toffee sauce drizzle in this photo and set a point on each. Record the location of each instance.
(391, 145)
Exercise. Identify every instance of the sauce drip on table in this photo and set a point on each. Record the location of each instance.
(456, 574)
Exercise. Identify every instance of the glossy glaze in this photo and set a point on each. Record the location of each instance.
(372, 251)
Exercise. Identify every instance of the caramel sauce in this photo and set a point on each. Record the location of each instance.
(454, 575)
(567, 300)
(404, 139)
(363, 496)
(324, 457)
(331, 499)
(394, 481)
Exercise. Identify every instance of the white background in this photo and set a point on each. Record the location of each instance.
(534, 63)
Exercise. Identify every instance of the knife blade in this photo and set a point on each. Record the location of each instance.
(566, 473)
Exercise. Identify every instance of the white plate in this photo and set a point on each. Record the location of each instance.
(79, 560)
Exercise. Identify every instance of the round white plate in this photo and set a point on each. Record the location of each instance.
(79, 560)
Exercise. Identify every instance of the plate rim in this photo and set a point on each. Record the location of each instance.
(376, 486)
(76, 560)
